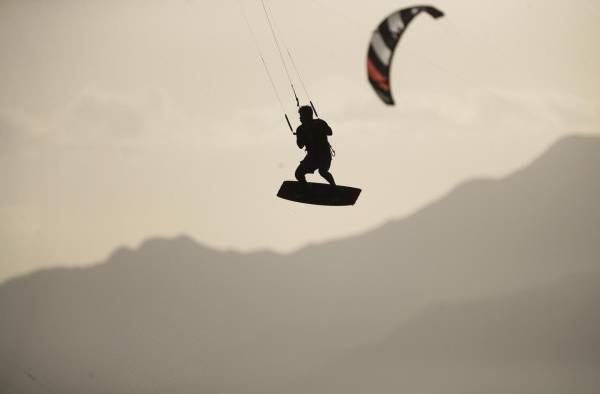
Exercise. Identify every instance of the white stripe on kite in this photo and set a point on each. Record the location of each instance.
(383, 52)
(395, 23)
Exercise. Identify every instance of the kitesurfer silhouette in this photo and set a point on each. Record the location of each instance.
(312, 135)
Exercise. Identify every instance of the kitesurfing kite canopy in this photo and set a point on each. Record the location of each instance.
(384, 41)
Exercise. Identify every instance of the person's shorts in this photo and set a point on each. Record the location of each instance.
(312, 163)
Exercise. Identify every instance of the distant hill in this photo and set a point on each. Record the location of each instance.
(176, 316)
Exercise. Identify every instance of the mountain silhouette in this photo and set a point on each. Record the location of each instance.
(177, 316)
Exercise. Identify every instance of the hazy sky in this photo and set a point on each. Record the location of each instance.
(121, 120)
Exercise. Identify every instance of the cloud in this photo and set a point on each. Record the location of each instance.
(19, 132)
(479, 111)
(98, 120)
(101, 120)
(95, 118)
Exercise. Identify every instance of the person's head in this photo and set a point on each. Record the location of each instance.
(306, 113)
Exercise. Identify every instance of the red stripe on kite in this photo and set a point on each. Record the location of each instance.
(379, 78)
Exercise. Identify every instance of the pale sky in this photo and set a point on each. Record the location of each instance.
(123, 120)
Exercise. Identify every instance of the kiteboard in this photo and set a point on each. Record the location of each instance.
(318, 193)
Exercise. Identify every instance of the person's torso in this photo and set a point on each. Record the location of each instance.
(314, 134)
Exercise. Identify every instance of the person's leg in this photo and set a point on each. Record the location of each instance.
(327, 175)
(300, 174)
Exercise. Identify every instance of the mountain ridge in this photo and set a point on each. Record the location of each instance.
(252, 319)
(577, 140)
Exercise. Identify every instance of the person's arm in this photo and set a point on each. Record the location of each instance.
(326, 129)
(300, 138)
